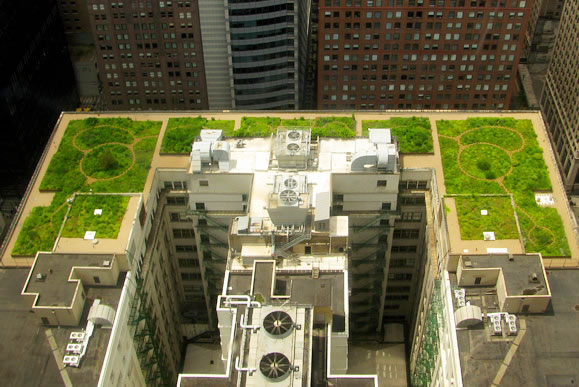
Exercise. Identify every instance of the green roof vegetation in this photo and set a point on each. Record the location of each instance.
(500, 218)
(502, 156)
(81, 217)
(338, 127)
(116, 159)
(181, 132)
(413, 133)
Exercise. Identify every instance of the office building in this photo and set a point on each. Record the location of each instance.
(263, 260)
(175, 55)
(542, 22)
(415, 54)
(37, 84)
(559, 100)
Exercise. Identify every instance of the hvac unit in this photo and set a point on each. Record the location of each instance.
(275, 366)
(290, 183)
(278, 324)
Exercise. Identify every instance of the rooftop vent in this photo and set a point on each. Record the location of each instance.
(288, 197)
(40, 277)
(293, 147)
(275, 366)
(294, 135)
(534, 278)
(278, 324)
(290, 183)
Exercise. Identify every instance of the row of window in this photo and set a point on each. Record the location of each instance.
(426, 14)
(399, 106)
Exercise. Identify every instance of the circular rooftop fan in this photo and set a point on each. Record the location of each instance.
(293, 147)
(288, 196)
(277, 323)
(274, 365)
(294, 135)
(290, 183)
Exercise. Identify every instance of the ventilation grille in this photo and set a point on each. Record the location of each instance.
(278, 323)
(274, 365)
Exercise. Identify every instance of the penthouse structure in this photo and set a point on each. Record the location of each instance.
(415, 54)
(281, 251)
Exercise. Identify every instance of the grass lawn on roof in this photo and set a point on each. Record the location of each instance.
(81, 217)
(181, 132)
(123, 169)
(337, 127)
(413, 133)
(500, 156)
(500, 218)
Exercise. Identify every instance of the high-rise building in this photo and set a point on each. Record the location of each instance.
(420, 54)
(255, 52)
(542, 9)
(560, 102)
(37, 84)
(172, 55)
(149, 54)
(294, 246)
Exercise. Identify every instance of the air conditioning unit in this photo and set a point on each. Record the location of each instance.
(288, 197)
(275, 366)
(278, 324)
(290, 183)
(293, 136)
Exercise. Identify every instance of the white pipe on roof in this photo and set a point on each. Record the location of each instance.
(242, 324)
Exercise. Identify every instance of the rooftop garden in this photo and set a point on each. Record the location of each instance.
(413, 133)
(502, 156)
(181, 132)
(98, 155)
(339, 127)
(82, 216)
(499, 219)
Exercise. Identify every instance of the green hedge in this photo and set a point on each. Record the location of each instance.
(337, 127)
(181, 132)
(64, 176)
(413, 133)
(258, 126)
(529, 174)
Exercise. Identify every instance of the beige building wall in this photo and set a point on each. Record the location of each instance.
(560, 101)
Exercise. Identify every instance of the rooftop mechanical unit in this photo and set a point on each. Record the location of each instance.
(288, 203)
(275, 366)
(210, 149)
(278, 324)
(293, 147)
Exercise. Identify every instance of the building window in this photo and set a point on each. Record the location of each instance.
(177, 200)
(203, 183)
(176, 185)
(406, 234)
(404, 249)
(386, 206)
(96, 280)
(183, 233)
(412, 216)
(200, 206)
(381, 183)
(190, 276)
(183, 248)
(188, 262)
(179, 217)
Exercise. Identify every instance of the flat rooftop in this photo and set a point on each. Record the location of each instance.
(334, 155)
(51, 273)
(517, 270)
(544, 353)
